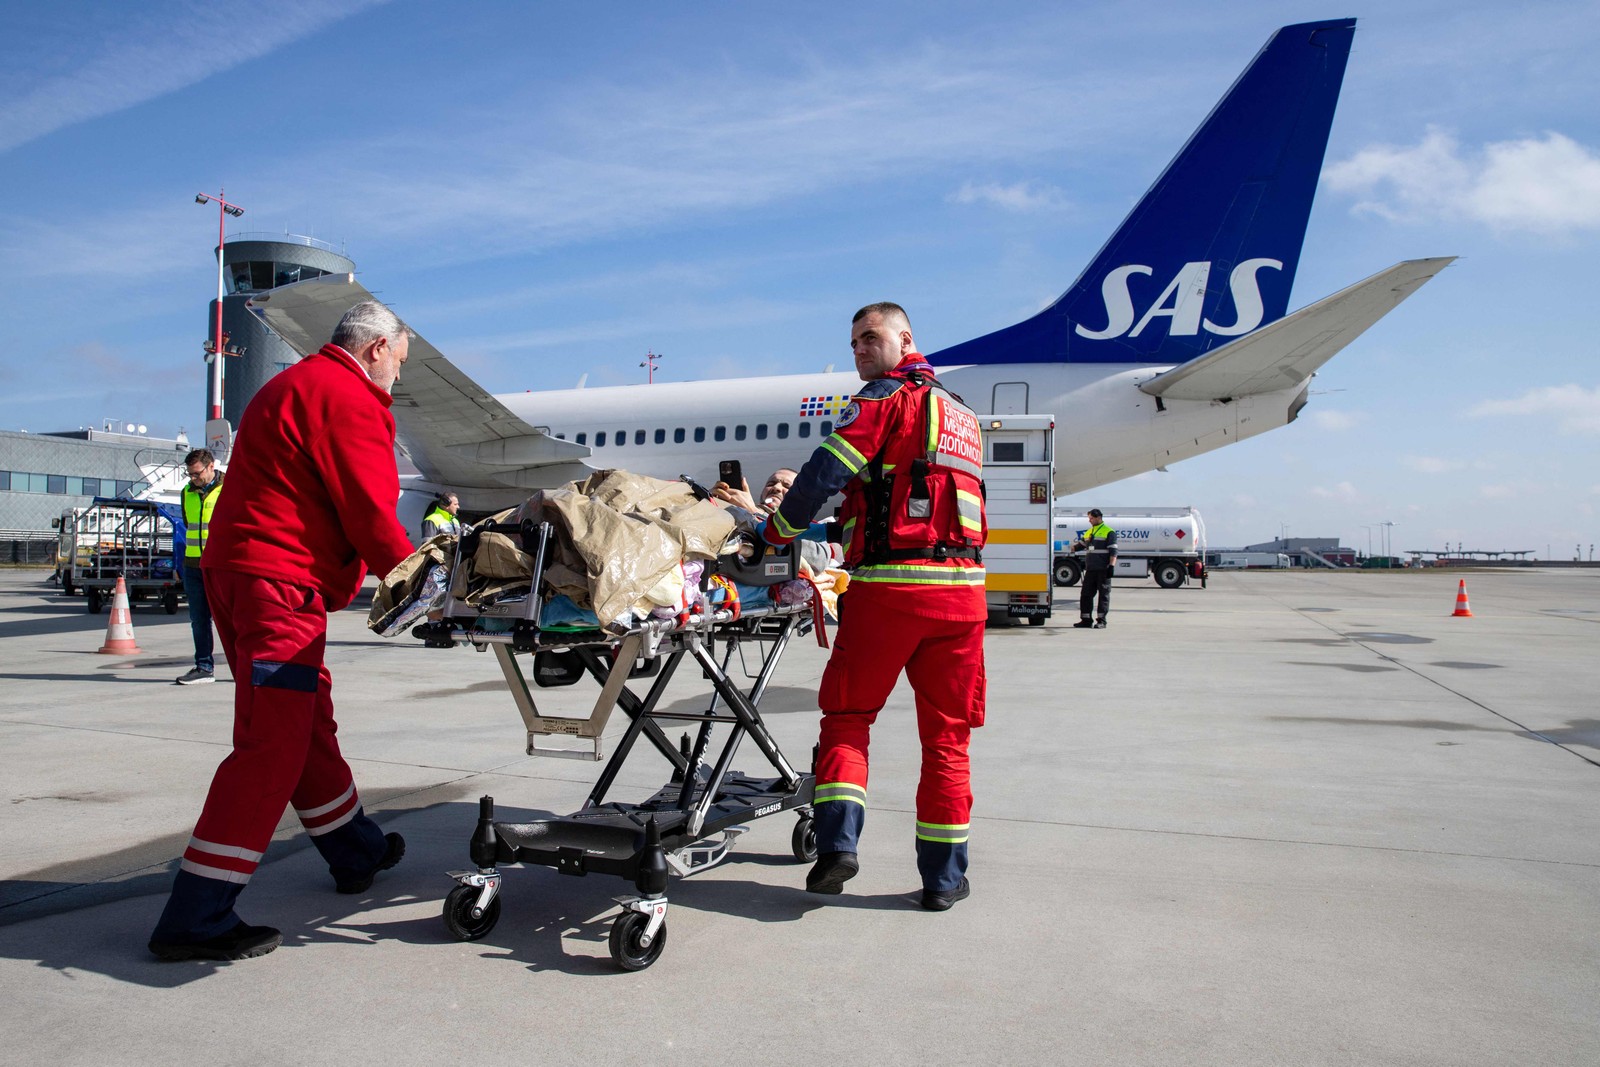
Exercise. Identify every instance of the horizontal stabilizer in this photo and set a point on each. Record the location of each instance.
(455, 433)
(1287, 352)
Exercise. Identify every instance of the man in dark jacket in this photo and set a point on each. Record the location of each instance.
(1099, 545)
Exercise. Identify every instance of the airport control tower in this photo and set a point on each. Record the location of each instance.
(253, 263)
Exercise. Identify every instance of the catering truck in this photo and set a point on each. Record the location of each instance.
(1018, 471)
(1166, 543)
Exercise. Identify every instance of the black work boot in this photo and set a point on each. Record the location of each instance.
(241, 943)
(935, 900)
(392, 854)
(1100, 625)
(831, 871)
(1084, 625)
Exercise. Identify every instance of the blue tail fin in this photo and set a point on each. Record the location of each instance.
(1210, 252)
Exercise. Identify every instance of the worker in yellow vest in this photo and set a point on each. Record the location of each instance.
(441, 518)
(199, 500)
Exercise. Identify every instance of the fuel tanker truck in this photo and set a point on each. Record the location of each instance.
(1168, 544)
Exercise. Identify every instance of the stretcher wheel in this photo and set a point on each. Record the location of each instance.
(625, 947)
(804, 840)
(458, 914)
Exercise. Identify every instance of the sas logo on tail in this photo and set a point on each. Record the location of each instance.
(1181, 301)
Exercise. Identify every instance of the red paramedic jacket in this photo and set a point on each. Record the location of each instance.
(887, 416)
(312, 483)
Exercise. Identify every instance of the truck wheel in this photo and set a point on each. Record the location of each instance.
(1035, 620)
(93, 597)
(169, 600)
(1169, 573)
(67, 587)
(1067, 571)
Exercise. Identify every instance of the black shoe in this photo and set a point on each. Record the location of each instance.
(391, 856)
(241, 943)
(196, 676)
(1084, 625)
(831, 871)
(941, 901)
(1101, 625)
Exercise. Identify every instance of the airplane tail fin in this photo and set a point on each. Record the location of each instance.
(1210, 252)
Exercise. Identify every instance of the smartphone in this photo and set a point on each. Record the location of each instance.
(728, 471)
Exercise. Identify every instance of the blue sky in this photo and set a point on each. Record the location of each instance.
(551, 190)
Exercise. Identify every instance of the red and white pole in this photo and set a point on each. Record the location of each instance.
(214, 390)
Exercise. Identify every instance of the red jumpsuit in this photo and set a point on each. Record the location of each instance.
(311, 495)
(906, 610)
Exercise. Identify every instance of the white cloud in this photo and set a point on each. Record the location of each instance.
(1575, 409)
(1497, 492)
(1433, 464)
(1337, 420)
(159, 52)
(1344, 491)
(1547, 185)
(1019, 196)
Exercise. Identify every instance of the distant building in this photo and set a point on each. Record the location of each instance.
(1309, 551)
(253, 263)
(44, 474)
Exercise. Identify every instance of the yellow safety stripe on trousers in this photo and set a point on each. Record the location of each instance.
(845, 453)
(942, 833)
(784, 529)
(969, 510)
(836, 791)
(918, 574)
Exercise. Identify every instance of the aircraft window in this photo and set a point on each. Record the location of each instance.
(582, 438)
(638, 437)
(826, 428)
(699, 434)
(620, 437)
(761, 431)
(561, 437)
(678, 436)
(720, 434)
(661, 436)
(738, 433)
(600, 439)
(783, 430)
(805, 429)
(261, 275)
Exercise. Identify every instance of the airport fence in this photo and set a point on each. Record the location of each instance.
(27, 547)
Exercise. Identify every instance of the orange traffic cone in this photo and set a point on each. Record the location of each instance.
(1463, 610)
(119, 631)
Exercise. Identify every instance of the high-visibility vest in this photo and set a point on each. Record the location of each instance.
(442, 520)
(198, 505)
(1100, 541)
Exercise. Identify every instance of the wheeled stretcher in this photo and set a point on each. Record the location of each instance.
(692, 822)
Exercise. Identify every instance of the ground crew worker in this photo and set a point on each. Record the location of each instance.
(200, 497)
(312, 488)
(908, 456)
(1099, 545)
(441, 518)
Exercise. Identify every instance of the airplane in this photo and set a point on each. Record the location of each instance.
(1174, 340)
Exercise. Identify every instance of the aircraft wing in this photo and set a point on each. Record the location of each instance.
(1287, 352)
(456, 433)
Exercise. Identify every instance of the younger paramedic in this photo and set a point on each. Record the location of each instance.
(907, 454)
(311, 494)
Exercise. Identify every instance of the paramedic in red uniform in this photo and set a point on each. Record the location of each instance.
(311, 498)
(908, 456)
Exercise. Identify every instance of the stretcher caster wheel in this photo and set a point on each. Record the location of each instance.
(458, 914)
(627, 932)
(804, 840)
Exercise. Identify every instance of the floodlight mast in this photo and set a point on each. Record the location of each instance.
(217, 347)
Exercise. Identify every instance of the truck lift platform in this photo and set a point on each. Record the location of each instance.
(692, 822)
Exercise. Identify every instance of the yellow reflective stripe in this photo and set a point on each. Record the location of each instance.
(904, 575)
(839, 791)
(944, 833)
(784, 529)
(935, 420)
(845, 452)
(969, 498)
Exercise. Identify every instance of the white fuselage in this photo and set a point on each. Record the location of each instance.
(1106, 429)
